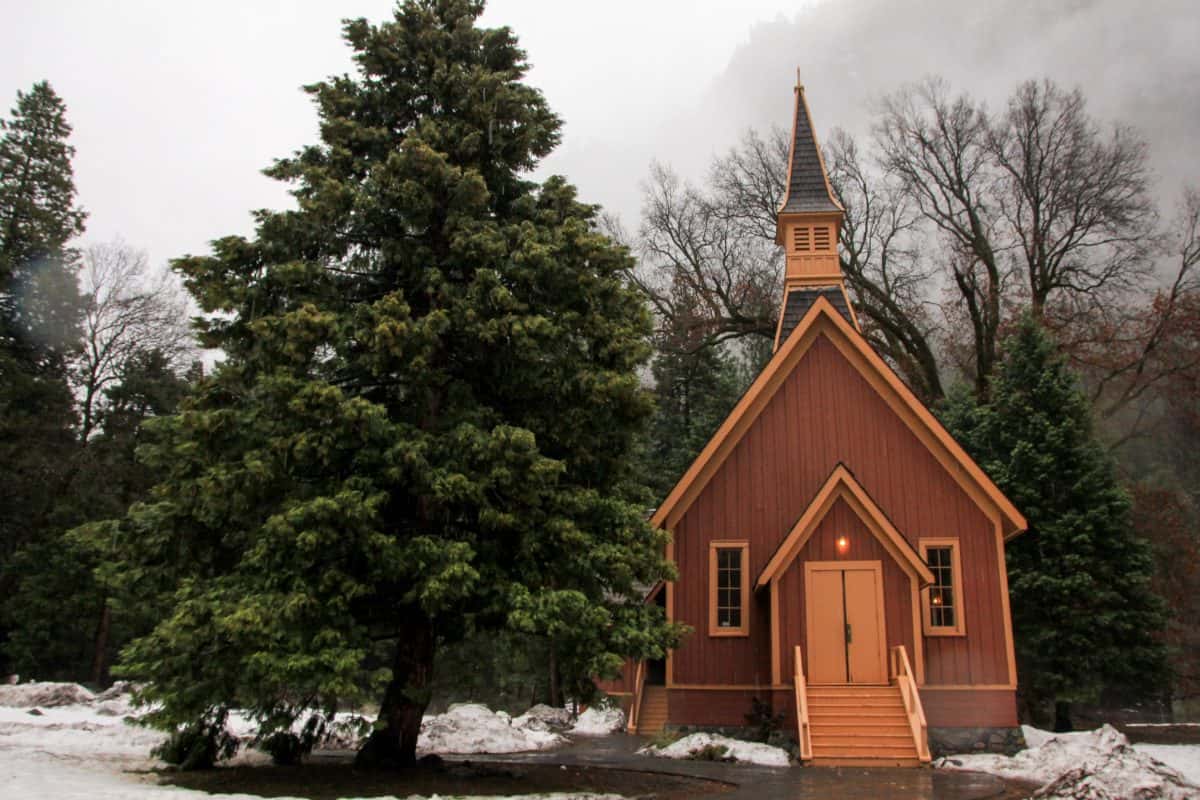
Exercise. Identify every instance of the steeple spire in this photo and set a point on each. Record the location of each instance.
(808, 185)
(807, 226)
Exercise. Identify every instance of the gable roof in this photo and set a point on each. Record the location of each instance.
(823, 319)
(841, 485)
(807, 186)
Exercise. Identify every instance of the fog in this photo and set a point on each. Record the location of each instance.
(177, 106)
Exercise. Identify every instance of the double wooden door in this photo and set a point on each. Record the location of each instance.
(844, 617)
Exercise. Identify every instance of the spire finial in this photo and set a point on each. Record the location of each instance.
(799, 83)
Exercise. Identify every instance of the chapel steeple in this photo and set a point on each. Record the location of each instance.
(807, 227)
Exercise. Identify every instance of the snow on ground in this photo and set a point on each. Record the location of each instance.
(544, 717)
(745, 752)
(61, 741)
(474, 728)
(28, 695)
(599, 722)
(1098, 765)
(1182, 757)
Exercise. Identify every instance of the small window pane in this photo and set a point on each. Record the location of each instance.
(729, 588)
(942, 593)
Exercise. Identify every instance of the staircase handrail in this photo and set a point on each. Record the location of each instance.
(902, 674)
(802, 724)
(635, 708)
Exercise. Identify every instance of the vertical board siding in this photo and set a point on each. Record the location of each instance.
(970, 708)
(825, 413)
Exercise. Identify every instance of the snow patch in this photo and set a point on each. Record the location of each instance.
(1182, 757)
(1097, 765)
(474, 728)
(48, 695)
(599, 722)
(745, 752)
(544, 718)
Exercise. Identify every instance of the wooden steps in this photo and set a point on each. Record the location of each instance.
(653, 714)
(860, 726)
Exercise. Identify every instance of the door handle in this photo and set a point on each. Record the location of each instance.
(849, 633)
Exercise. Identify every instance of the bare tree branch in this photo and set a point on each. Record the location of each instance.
(1075, 205)
(937, 149)
(880, 262)
(129, 309)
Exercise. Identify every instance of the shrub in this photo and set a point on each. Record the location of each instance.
(198, 746)
(711, 752)
(764, 722)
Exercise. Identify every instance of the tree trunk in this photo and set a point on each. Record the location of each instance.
(394, 743)
(100, 656)
(1062, 717)
(555, 685)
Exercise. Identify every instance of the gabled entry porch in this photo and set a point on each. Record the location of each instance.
(844, 616)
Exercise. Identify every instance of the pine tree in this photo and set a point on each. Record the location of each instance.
(39, 295)
(1084, 616)
(39, 316)
(64, 628)
(423, 425)
(694, 394)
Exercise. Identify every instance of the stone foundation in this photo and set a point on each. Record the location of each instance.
(947, 741)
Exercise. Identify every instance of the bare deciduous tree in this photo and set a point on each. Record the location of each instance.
(1034, 207)
(937, 147)
(130, 308)
(883, 268)
(1076, 204)
(707, 247)
(1136, 345)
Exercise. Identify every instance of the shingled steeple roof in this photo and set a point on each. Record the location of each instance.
(807, 186)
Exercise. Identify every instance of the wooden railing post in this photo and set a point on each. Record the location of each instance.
(902, 674)
(802, 724)
(635, 708)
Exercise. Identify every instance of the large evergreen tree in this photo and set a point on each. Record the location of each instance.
(39, 291)
(424, 423)
(39, 317)
(1084, 616)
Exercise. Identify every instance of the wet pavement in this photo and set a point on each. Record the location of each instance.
(752, 782)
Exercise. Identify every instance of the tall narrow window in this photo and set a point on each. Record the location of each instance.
(728, 573)
(942, 601)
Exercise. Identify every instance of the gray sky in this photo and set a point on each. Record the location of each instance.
(178, 105)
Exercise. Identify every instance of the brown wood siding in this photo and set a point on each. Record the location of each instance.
(823, 414)
(622, 684)
(970, 708)
(863, 546)
(701, 707)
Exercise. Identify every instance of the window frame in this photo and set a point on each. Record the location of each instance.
(959, 628)
(714, 548)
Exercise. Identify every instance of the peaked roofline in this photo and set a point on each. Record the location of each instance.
(823, 318)
(804, 134)
(842, 485)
